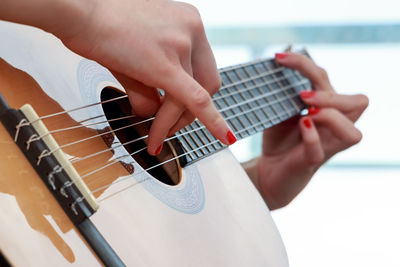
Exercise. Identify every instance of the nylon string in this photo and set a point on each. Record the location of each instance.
(174, 158)
(263, 75)
(145, 136)
(150, 119)
(174, 137)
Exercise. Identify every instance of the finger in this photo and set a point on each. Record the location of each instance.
(204, 67)
(350, 104)
(144, 100)
(195, 98)
(313, 151)
(186, 119)
(204, 70)
(339, 124)
(166, 117)
(307, 67)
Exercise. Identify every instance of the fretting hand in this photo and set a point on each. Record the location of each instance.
(294, 150)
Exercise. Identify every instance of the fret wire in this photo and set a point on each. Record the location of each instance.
(244, 97)
(266, 99)
(306, 86)
(261, 75)
(284, 113)
(197, 139)
(192, 140)
(275, 113)
(201, 135)
(211, 138)
(257, 101)
(231, 123)
(274, 76)
(235, 100)
(199, 124)
(263, 95)
(192, 155)
(152, 167)
(271, 103)
(244, 64)
(281, 104)
(260, 107)
(186, 148)
(299, 77)
(218, 95)
(214, 142)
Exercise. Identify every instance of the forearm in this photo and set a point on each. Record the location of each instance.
(60, 17)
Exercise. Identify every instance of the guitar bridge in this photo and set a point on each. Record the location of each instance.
(58, 174)
(45, 156)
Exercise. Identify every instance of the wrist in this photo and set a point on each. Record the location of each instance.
(62, 18)
(68, 17)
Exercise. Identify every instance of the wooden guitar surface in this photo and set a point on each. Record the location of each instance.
(213, 217)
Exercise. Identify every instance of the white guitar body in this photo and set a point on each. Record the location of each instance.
(213, 217)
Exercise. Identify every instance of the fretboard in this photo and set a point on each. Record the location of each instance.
(253, 97)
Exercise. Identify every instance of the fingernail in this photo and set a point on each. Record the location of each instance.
(158, 150)
(307, 94)
(281, 55)
(231, 137)
(307, 123)
(313, 110)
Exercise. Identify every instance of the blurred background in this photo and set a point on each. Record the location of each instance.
(349, 214)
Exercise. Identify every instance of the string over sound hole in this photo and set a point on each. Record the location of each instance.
(131, 131)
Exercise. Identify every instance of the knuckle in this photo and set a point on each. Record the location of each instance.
(322, 74)
(192, 17)
(297, 60)
(317, 158)
(145, 110)
(215, 84)
(363, 101)
(166, 70)
(328, 97)
(201, 99)
(189, 7)
(182, 44)
(355, 137)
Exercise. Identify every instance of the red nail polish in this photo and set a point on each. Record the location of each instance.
(307, 123)
(158, 150)
(307, 94)
(231, 137)
(313, 110)
(281, 55)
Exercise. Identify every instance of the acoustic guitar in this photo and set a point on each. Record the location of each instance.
(77, 186)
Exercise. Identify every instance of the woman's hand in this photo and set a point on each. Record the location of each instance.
(147, 44)
(155, 44)
(294, 150)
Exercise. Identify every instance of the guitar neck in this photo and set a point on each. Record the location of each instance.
(253, 97)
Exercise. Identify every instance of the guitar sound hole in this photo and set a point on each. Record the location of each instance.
(168, 173)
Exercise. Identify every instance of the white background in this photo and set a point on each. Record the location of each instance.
(345, 217)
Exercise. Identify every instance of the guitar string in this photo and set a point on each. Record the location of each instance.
(263, 75)
(143, 137)
(81, 126)
(239, 91)
(182, 134)
(113, 131)
(171, 159)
